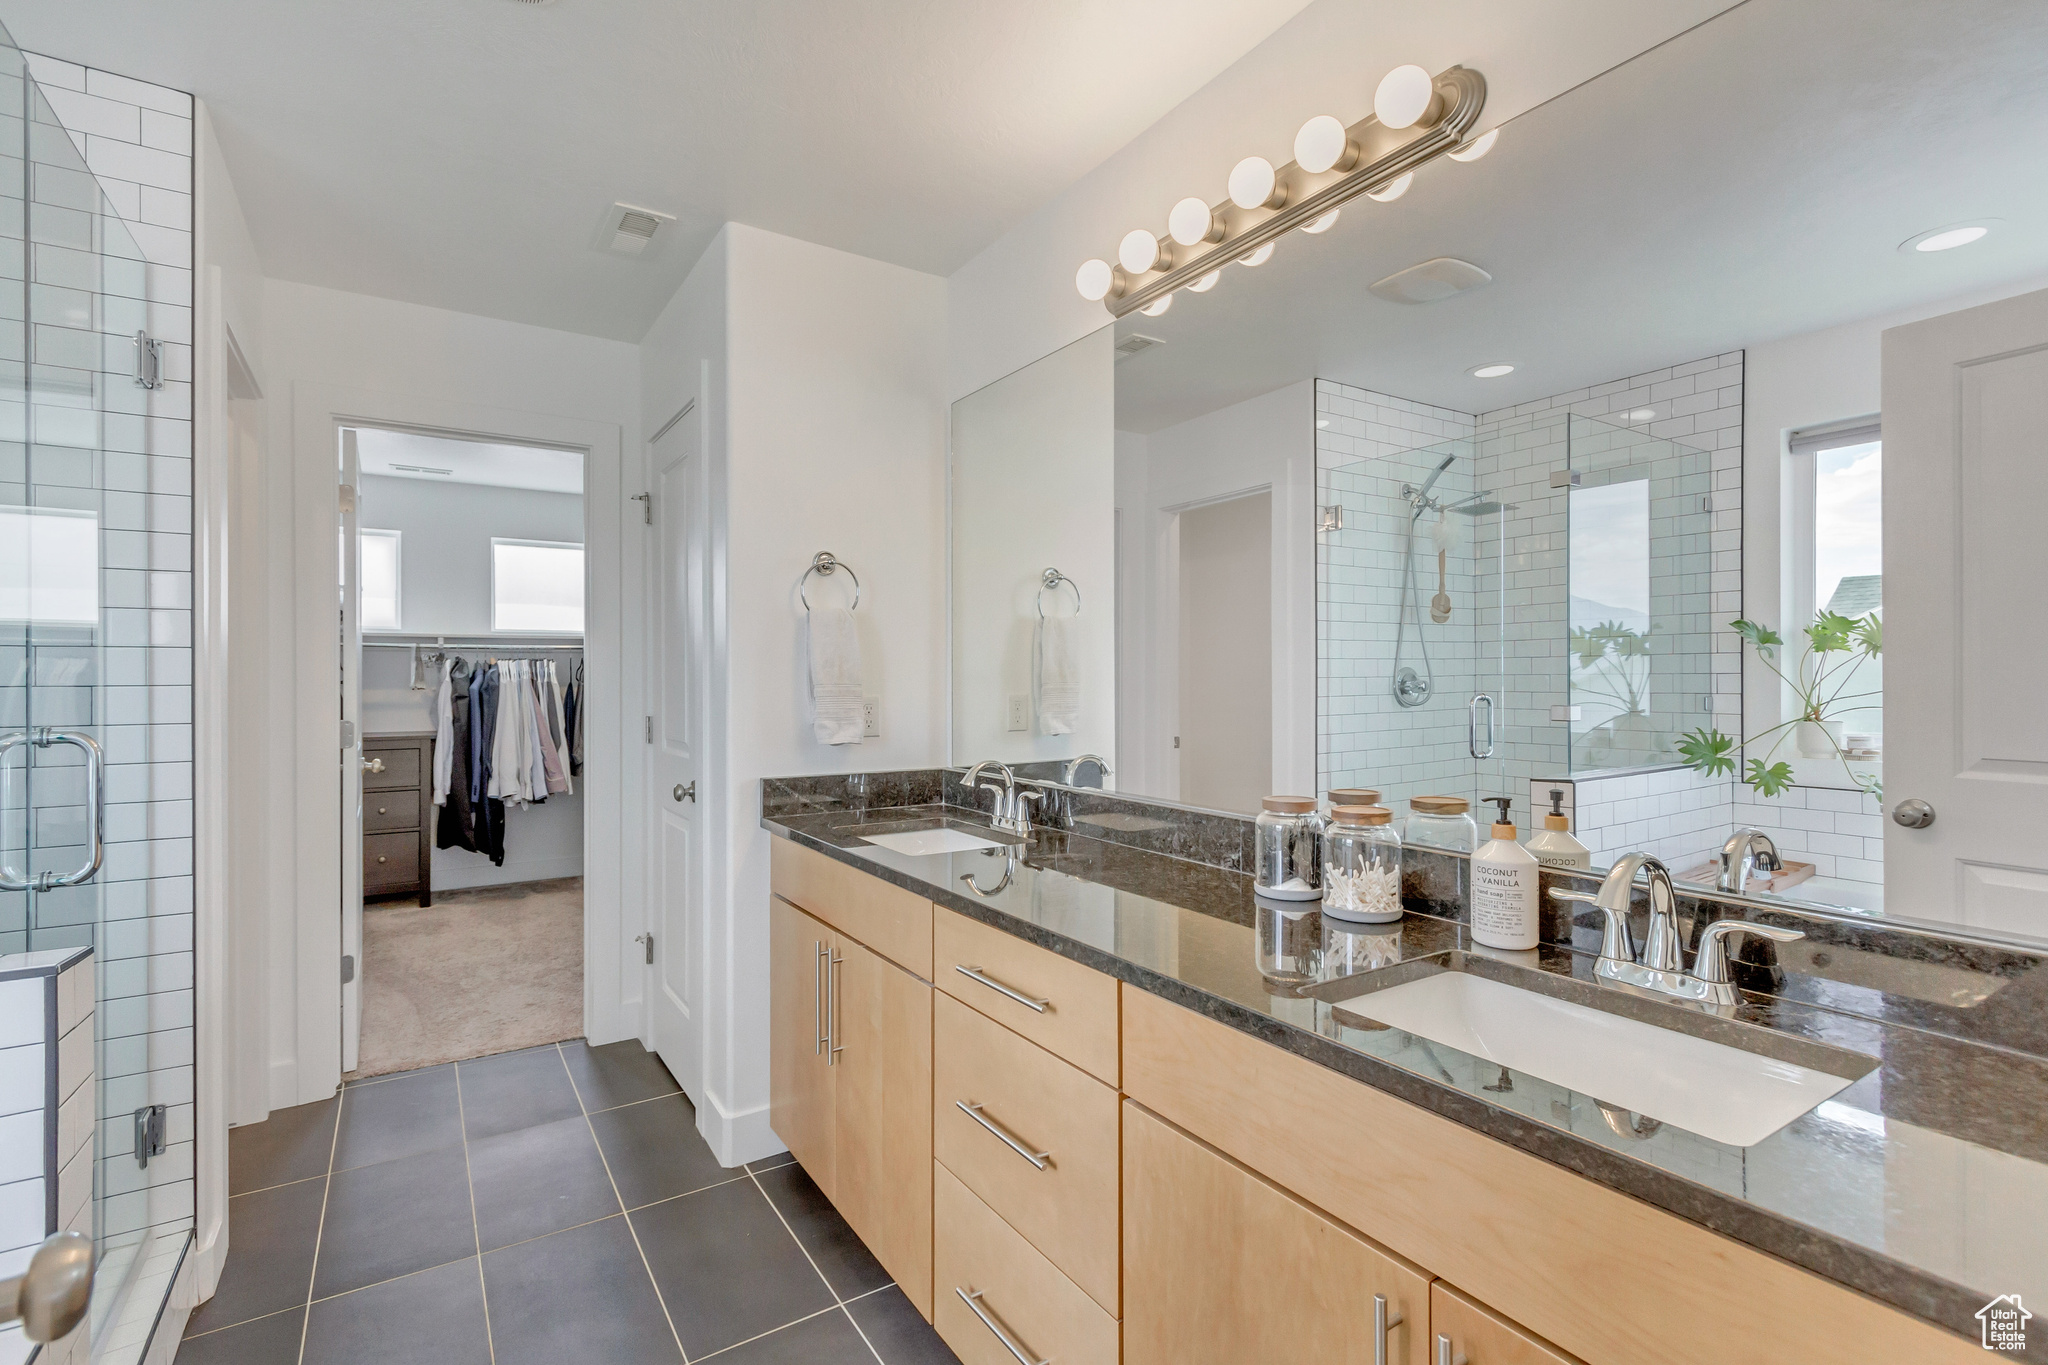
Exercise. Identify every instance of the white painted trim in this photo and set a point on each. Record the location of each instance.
(736, 1136)
(612, 794)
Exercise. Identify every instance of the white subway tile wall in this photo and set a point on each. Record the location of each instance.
(135, 139)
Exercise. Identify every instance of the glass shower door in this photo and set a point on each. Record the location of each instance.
(94, 658)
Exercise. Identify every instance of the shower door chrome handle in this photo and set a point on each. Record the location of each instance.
(1472, 729)
(8, 881)
(44, 737)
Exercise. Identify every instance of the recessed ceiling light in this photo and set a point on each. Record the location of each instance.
(1491, 371)
(1640, 415)
(1948, 238)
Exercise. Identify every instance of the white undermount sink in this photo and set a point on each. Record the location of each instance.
(918, 842)
(1724, 1093)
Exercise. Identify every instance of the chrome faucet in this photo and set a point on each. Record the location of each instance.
(1072, 768)
(1010, 814)
(1747, 851)
(1661, 966)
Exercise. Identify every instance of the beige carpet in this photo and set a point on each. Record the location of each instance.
(482, 971)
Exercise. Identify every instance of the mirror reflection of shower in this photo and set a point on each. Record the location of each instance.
(1412, 687)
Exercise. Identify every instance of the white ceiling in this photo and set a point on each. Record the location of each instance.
(1750, 179)
(461, 153)
(380, 452)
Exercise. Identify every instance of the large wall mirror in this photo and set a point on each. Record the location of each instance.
(1314, 531)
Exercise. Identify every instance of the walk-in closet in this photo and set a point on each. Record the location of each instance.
(468, 567)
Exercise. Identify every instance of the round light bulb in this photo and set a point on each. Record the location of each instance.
(1404, 97)
(1138, 252)
(1393, 189)
(1253, 185)
(1093, 279)
(1492, 371)
(1322, 224)
(1477, 147)
(1206, 283)
(1259, 257)
(1157, 306)
(1954, 237)
(1321, 144)
(1192, 222)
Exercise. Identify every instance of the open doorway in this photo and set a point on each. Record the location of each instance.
(1226, 677)
(464, 587)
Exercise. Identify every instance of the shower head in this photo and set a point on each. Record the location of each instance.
(1434, 475)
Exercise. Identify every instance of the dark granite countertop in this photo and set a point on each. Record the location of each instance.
(1924, 1184)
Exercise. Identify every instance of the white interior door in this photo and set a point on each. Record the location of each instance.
(351, 770)
(1965, 486)
(676, 481)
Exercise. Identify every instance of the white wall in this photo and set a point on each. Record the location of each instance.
(1033, 487)
(329, 354)
(1266, 443)
(445, 587)
(1226, 682)
(823, 376)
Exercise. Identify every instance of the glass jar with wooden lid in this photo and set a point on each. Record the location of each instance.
(1362, 865)
(1441, 822)
(1288, 849)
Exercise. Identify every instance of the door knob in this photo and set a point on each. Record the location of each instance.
(373, 765)
(683, 793)
(51, 1296)
(1914, 814)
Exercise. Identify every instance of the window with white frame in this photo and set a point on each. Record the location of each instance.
(1837, 560)
(536, 586)
(379, 555)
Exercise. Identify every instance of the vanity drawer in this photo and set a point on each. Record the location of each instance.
(390, 860)
(895, 923)
(1055, 1112)
(1079, 1018)
(1481, 1336)
(391, 810)
(975, 1252)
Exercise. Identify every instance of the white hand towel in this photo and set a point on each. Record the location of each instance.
(835, 676)
(1059, 681)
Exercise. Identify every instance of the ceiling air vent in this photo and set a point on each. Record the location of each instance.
(1134, 343)
(632, 228)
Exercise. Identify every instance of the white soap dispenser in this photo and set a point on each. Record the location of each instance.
(1554, 845)
(1504, 877)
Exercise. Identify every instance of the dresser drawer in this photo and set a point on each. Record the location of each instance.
(1024, 1296)
(1057, 1114)
(1066, 1008)
(401, 766)
(390, 860)
(391, 810)
(895, 923)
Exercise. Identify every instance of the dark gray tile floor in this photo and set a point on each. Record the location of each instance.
(539, 1206)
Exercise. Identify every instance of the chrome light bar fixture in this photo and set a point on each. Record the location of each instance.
(1416, 119)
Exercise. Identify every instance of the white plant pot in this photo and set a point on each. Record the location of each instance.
(1818, 738)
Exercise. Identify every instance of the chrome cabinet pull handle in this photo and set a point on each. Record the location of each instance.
(1383, 1322)
(44, 737)
(973, 1111)
(1445, 1354)
(1009, 1342)
(832, 1044)
(974, 974)
(817, 990)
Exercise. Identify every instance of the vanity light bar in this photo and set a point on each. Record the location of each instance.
(1370, 159)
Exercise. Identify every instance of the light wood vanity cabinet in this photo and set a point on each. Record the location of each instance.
(1222, 1267)
(1208, 1197)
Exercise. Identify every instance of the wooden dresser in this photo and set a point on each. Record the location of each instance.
(398, 817)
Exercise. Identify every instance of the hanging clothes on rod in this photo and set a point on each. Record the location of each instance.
(507, 736)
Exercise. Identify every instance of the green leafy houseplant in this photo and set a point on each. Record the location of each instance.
(1835, 646)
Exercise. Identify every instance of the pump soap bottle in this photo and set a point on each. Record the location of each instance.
(1555, 846)
(1504, 877)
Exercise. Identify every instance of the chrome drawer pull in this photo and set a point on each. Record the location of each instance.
(973, 1111)
(1009, 1344)
(1382, 1323)
(974, 974)
(818, 989)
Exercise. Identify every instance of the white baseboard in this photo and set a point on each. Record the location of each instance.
(737, 1138)
(534, 870)
(284, 1084)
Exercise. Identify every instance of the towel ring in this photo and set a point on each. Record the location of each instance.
(1052, 578)
(824, 565)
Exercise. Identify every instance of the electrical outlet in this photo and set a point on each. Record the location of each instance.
(1540, 789)
(870, 718)
(1020, 711)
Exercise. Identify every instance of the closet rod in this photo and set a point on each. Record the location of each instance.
(479, 642)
